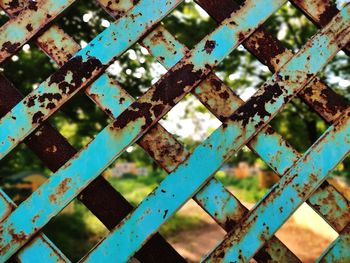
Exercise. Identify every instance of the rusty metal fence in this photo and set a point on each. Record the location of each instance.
(250, 234)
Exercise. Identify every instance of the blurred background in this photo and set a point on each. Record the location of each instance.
(193, 233)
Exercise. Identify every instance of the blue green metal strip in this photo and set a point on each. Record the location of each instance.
(270, 146)
(40, 249)
(181, 184)
(286, 196)
(79, 71)
(33, 18)
(59, 190)
(338, 251)
(224, 208)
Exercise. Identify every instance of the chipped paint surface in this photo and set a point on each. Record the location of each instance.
(338, 251)
(289, 193)
(105, 139)
(136, 118)
(40, 249)
(288, 81)
(22, 28)
(86, 65)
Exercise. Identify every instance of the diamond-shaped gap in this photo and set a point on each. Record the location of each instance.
(299, 125)
(189, 17)
(75, 230)
(248, 178)
(192, 232)
(83, 21)
(291, 27)
(242, 72)
(136, 70)
(79, 120)
(300, 232)
(190, 121)
(3, 17)
(22, 173)
(21, 68)
(134, 174)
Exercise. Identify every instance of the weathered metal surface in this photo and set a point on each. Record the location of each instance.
(286, 196)
(33, 18)
(169, 153)
(320, 13)
(109, 206)
(115, 137)
(40, 245)
(267, 144)
(271, 52)
(243, 125)
(225, 209)
(328, 104)
(338, 251)
(79, 71)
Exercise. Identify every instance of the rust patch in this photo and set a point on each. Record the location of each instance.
(29, 27)
(256, 105)
(172, 86)
(33, 6)
(209, 46)
(14, 4)
(60, 189)
(135, 111)
(80, 70)
(37, 117)
(10, 47)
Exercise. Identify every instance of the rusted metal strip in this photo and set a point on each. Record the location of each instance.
(111, 138)
(286, 196)
(320, 13)
(244, 124)
(317, 95)
(157, 141)
(109, 206)
(79, 71)
(40, 245)
(169, 153)
(338, 251)
(271, 52)
(33, 18)
(267, 144)
(117, 8)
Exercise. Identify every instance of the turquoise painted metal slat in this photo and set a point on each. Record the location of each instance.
(287, 195)
(40, 249)
(224, 207)
(33, 18)
(109, 141)
(189, 176)
(79, 71)
(269, 145)
(338, 250)
(218, 147)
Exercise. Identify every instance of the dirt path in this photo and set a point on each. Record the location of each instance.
(194, 244)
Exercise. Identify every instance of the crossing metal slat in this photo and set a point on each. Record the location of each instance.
(136, 121)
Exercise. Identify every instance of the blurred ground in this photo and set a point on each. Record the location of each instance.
(300, 238)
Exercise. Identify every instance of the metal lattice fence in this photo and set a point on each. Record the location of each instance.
(250, 233)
